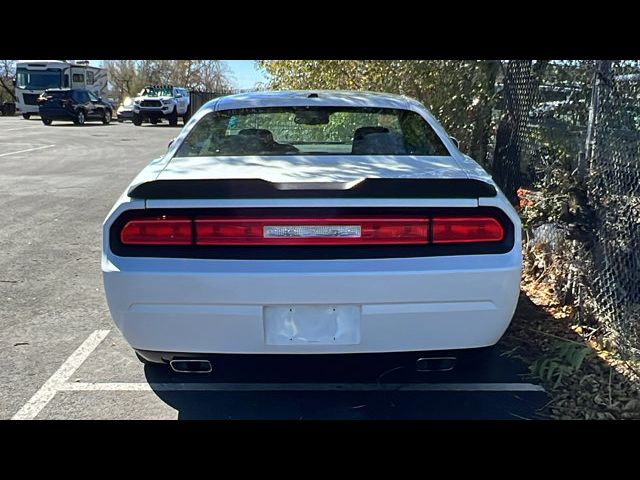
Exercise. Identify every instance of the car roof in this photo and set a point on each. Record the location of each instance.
(158, 86)
(329, 98)
(66, 90)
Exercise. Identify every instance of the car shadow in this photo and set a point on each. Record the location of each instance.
(71, 124)
(160, 125)
(378, 386)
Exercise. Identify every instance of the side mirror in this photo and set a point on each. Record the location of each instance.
(455, 142)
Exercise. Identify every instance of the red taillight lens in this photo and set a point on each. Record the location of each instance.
(227, 232)
(305, 231)
(179, 230)
(158, 231)
(466, 230)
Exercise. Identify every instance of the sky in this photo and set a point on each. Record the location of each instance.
(243, 72)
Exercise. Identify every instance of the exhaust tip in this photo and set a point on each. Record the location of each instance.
(435, 364)
(191, 366)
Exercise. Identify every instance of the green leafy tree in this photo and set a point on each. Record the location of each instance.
(461, 94)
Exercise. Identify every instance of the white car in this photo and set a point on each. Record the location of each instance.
(156, 102)
(310, 222)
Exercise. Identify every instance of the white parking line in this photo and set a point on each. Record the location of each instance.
(27, 150)
(300, 387)
(19, 128)
(43, 396)
(59, 382)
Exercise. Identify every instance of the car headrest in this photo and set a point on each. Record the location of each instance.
(383, 143)
(362, 131)
(262, 133)
(241, 145)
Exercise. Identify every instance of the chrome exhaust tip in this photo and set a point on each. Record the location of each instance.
(435, 364)
(191, 366)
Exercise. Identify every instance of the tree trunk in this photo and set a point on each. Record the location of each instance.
(482, 126)
(521, 83)
(7, 89)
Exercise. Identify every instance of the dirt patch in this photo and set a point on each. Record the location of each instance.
(583, 375)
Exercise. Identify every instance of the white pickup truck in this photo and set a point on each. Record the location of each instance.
(161, 101)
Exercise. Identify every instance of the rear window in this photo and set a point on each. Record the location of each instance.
(156, 92)
(312, 131)
(80, 96)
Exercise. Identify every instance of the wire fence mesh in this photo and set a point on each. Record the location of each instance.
(567, 147)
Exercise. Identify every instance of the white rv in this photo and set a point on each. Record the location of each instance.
(35, 76)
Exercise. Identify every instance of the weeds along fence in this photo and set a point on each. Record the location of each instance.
(566, 146)
(198, 98)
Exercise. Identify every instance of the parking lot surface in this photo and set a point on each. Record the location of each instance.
(64, 359)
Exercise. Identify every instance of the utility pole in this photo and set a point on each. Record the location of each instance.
(600, 86)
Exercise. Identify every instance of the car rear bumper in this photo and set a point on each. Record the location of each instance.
(220, 306)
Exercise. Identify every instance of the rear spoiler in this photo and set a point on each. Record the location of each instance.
(368, 188)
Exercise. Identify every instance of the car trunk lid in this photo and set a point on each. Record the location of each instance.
(373, 176)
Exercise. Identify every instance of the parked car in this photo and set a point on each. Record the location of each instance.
(156, 102)
(305, 222)
(125, 110)
(78, 106)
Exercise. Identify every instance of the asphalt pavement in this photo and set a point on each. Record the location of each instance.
(62, 357)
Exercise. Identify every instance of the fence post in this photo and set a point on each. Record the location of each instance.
(601, 84)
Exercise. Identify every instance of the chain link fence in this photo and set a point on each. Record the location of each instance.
(567, 148)
(197, 98)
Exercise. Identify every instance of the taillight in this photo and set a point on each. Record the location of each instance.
(466, 230)
(309, 231)
(374, 230)
(158, 231)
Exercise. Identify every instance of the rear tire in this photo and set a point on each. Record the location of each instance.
(106, 119)
(26, 116)
(187, 115)
(137, 120)
(47, 121)
(80, 118)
